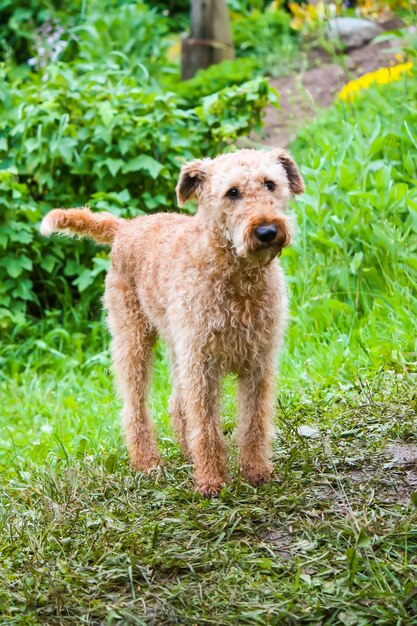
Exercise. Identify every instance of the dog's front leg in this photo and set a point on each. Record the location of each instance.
(201, 389)
(256, 399)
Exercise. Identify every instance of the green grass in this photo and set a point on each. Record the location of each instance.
(84, 540)
(332, 539)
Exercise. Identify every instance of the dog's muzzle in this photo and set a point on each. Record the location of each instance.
(274, 235)
(266, 234)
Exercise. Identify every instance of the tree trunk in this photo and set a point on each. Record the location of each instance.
(211, 38)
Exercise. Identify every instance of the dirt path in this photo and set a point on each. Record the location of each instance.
(303, 96)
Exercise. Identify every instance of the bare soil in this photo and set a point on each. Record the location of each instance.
(394, 479)
(303, 95)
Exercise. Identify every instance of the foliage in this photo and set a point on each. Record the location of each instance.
(250, 30)
(80, 127)
(133, 35)
(267, 37)
(377, 9)
(173, 6)
(215, 78)
(309, 17)
(259, 28)
(358, 225)
(89, 137)
(95, 27)
(19, 19)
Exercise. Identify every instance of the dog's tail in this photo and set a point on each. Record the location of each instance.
(102, 227)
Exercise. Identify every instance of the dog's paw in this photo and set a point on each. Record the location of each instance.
(210, 489)
(147, 466)
(257, 474)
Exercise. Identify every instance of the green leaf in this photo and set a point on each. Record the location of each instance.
(145, 163)
(356, 262)
(31, 145)
(66, 147)
(48, 263)
(113, 165)
(4, 237)
(25, 262)
(363, 539)
(24, 290)
(21, 236)
(12, 266)
(106, 113)
(85, 279)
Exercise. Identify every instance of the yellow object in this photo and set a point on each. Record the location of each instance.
(382, 76)
(308, 16)
(174, 50)
(378, 9)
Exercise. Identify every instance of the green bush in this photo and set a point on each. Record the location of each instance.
(215, 78)
(133, 35)
(250, 31)
(266, 35)
(88, 119)
(19, 19)
(96, 136)
(48, 30)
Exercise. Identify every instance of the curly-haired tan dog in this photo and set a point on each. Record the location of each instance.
(211, 287)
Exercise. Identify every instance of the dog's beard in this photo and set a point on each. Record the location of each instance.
(256, 257)
(246, 244)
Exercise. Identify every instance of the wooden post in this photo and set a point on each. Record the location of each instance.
(211, 37)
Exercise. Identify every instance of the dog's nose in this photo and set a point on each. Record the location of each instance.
(266, 234)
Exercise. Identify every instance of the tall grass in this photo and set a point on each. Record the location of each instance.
(353, 268)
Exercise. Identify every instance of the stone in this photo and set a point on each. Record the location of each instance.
(354, 32)
(308, 431)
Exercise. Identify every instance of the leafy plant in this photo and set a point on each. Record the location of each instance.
(250, 31)
(132, 31)
(215, 78)
(73, 135)
(19, 20)
(357, 236)
(133, 34)
(266, 36)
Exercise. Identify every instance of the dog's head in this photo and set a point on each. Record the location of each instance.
(242, 197)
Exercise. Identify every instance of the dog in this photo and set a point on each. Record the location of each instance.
(211, 286)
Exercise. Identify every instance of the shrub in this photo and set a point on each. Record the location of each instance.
(92, 122)
(133, 31)
(19, 19)
(267, 37)
(259, 26)
(215, 78)
(133, 35)
(96, 136)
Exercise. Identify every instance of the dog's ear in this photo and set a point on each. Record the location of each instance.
(192, 175)
(293, 173)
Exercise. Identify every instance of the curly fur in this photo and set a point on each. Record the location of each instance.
(214, 293)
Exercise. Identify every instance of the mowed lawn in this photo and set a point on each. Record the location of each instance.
(332, 539)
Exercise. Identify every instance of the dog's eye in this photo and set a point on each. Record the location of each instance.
(233, 193)
(269, 185)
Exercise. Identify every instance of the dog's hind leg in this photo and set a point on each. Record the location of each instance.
(133, 340)
(178, 419)
(176, 409)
